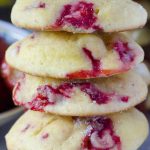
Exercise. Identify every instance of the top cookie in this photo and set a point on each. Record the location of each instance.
(80, 16)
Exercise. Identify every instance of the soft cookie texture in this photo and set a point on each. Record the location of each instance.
(141, 36)
(80, 16)
(143, 70)
(10, 74)
(80, 97)
(66, 55)
(41, 131)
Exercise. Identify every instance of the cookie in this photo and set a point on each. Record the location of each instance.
(141, 36)
(146, 5)
(143, 70)
(41, 131)
(80, 97)
(81, 16)
(10, 75)
(66, 55)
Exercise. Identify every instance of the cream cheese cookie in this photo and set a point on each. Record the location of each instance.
(66, 55)
(80, 97)
(41, 131)
(79, 16)
(10, 75)
(143, 70)
(141, 36)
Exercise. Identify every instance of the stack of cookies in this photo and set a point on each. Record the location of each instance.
(79, 84)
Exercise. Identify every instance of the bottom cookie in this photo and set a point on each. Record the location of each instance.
(42, 131)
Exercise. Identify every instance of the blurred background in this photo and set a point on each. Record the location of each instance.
(5, 7)
(8, 76)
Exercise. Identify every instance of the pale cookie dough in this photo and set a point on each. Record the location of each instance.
(66, 55)
(80, 97)
(80, 16)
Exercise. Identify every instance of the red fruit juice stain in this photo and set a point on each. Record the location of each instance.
(125, 53)
(96, 67)
(125, 99)
(79, 15)
(126, 56)
(95, 62)
(45, 96)
(48, 95)
(100, 135)
(45, 136)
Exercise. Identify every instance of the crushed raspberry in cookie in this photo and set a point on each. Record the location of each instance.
(126, 56)
(48, 95)
(95, 62)
(98, 96)
(125, 98)
(96, 67)
(124, 51)
(100, 135)
(79, 15)
(45, 136)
